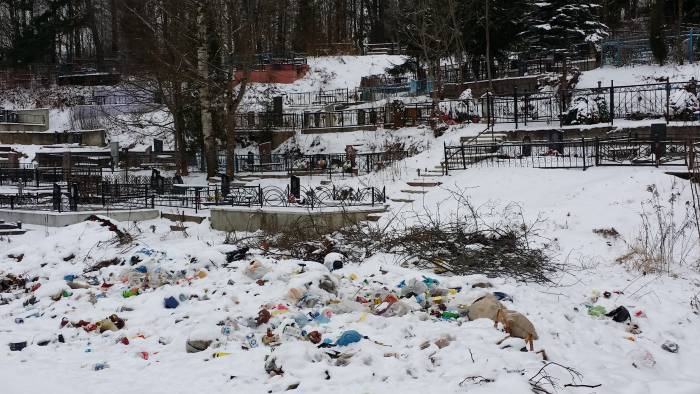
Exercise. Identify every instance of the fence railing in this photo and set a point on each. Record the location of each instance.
(674, 101)
(581, 153)
(330, 163)
(320, 97)
(81, 197)
(306, 197)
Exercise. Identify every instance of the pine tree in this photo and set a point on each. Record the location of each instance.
(562, 24)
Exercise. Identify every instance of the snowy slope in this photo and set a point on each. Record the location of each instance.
(571, 203)
(638, 75)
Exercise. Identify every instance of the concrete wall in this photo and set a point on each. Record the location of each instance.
(503, 86)
(339, 129)
(28, 120)
(317, 221)
(61, 219)
(22, 127)
(279, 137)
(86, 137)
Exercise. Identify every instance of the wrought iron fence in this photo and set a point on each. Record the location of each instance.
(581, 153)
(324, 163)
(602, 104)
(320, 97)
(305, 197)
(75, 197)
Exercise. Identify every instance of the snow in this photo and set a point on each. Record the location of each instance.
(363, 141)
(216, 296)
(638, 75)
(597, 347)
(325, 73)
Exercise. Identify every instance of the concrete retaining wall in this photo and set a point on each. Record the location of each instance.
(61, 219)
(28, 120)
(339, 129)
(85, 137)
(502, 86)
(316, 221)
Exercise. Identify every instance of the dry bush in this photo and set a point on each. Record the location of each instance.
(665, 239)
(479, 241)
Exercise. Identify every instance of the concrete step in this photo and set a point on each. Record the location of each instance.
(423, 183)
(414, 191)
(402, 199)
(374, 217)
(16, 231)
(174, 217)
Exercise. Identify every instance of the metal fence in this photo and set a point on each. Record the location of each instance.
(306, 197)
(602, 104)
(633, 48)
(324, 163)
(581, 153)
(320, 97)
(80, 197)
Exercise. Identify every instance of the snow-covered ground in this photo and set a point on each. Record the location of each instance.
(325, 73)
(638, 75)
(411, 353)
(403, 348)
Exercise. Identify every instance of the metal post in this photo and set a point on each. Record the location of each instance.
(515, 105)
(668, 99)
(612, 103)
(464, 161)
(444, 154)
(583, 145)
(597, 151)
(196, 200)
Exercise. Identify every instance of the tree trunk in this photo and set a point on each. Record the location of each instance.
(231, 110)
(115, 27)
(178, 118)
(96, 40)
(210, 148)
(488, 48)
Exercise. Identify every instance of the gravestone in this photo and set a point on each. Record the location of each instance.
(225, 185)
(295, 186)
(658, 136)
(56, 197)
(114, 153)
(265, 150)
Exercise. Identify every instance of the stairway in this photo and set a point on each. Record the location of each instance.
(485, 138)
(415, 188)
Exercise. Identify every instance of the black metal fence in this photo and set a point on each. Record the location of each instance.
(581, 153)
(323, 163)
(305, 197)
(675, 101)
(81, 197)
(320, 97)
